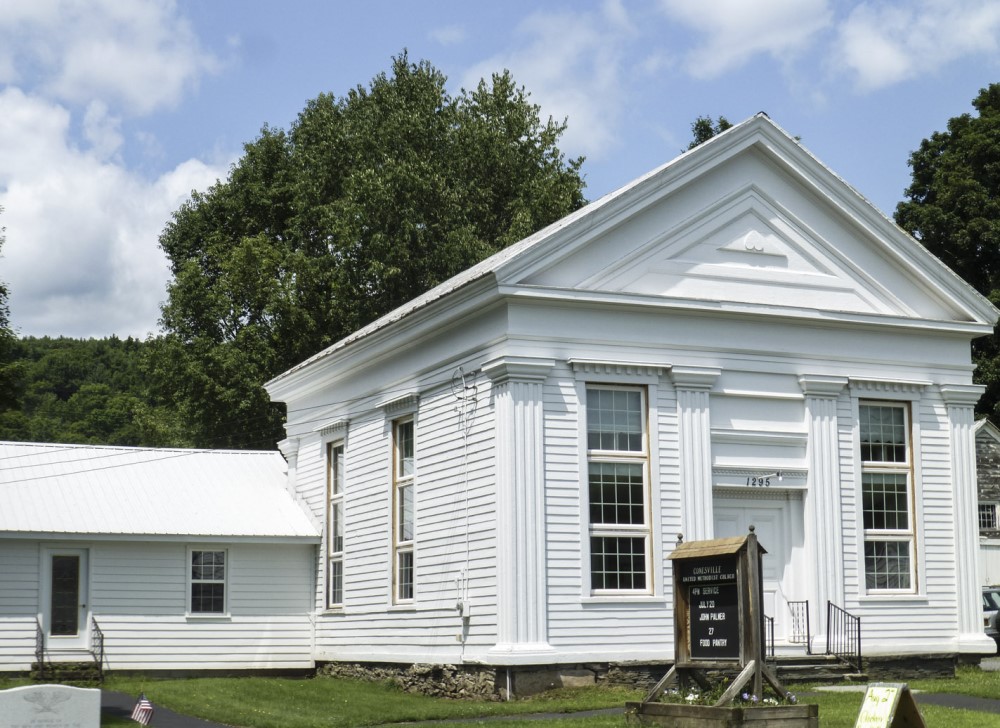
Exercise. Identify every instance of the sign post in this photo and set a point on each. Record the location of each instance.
(718, 616)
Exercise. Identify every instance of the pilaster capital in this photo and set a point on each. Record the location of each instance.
(517, 368)
(695, 378)
(289, 447)
(814, 385)
(961, 394)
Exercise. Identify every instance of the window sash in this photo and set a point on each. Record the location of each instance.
(403, 510)
(988, 516)
(887, 498)
(618, 509)
(208, 582)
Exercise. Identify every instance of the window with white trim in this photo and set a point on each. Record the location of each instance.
(402, 509)
(335, 524)
(887, 496)
(617, 482)
(988, 517)
(207, 581)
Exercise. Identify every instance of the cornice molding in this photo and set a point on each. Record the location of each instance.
(822, 386)
(406, 403)
(333, 427)
(517, 368)
(695, 378)
(888, 386)
(617, 368)
(961, 394)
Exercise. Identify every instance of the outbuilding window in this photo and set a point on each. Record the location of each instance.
(208, 582)
(617, 481)
(887, 496)
(987, 516)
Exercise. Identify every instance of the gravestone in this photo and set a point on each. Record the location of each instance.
(50, 706)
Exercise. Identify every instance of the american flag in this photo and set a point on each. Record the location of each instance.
(143, 710)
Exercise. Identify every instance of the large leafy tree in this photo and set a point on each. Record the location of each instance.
(365, 202)
(952, 207)
(9, 368)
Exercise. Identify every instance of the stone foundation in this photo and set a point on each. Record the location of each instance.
(910, 667)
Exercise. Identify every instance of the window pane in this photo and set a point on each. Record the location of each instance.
(883, 434)
(617, 493)
(405, 516)
(337, 470)
(614, 420)
(65, 604)
(617, 562)
(885, 501)
(336, 582)
(208, 598)
(988, 516)
(887, 564)
(336, 527)
(404, 449)
(404, 575)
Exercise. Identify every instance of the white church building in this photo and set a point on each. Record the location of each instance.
(495, 473)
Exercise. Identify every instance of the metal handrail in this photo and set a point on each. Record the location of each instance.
(769, 635)
(843, 635)
(40, 649)
(97, 648)
(801, 632)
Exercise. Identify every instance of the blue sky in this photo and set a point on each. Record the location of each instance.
(111, 112)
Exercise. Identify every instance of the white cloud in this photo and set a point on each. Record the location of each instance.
(732, 32)
(571, 64)
(448, 35)
(81, 256)
(139, 56)
(886, 43)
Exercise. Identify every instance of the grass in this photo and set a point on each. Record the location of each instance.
(337, 703)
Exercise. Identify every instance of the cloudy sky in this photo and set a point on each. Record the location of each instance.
(112, 112)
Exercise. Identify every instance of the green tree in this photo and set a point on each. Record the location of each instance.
(364, 203)
(10, 371)
(703, 129)
(952, 207)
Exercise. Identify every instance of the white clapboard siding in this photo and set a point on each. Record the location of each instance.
(138, 596)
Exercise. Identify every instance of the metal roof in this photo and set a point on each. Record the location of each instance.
(125, 491)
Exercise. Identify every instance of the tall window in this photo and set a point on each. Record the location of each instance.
(402, 509)
(887, 497)
(617, 482)
(335, 524)
(208, 582)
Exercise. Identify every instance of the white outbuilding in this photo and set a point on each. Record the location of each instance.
(182, 559)
(738, 338)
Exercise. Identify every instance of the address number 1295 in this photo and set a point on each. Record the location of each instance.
(755, 482)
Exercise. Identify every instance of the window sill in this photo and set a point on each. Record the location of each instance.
(402, 607)
(604, 599)
(895, 598)
(208, 617)
(332, 612)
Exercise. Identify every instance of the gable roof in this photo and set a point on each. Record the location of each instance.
(516, 265)
(154, 493)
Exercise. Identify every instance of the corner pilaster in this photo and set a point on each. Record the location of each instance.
(960, 399)
(518, 401)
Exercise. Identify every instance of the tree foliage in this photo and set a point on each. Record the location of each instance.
(9, 366)
(703, 129)
(364, 203)
(86, 391)
(952, 207)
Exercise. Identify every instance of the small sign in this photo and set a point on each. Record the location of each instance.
(708, 571)
(889, 705)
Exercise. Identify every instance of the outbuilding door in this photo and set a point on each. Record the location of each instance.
(770, 519)
(64, 590)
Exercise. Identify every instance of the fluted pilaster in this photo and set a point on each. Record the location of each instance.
(693, 385)
(822, 505)
(522, 619)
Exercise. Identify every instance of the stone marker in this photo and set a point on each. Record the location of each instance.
(50, 706)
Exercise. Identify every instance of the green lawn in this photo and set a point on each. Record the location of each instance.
(336, 703)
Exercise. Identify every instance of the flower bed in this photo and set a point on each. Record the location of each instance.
(707, 716)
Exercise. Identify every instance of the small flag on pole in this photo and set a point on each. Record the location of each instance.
(143, 710)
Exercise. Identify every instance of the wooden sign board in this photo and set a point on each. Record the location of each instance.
(713, 607)
(889, 705)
